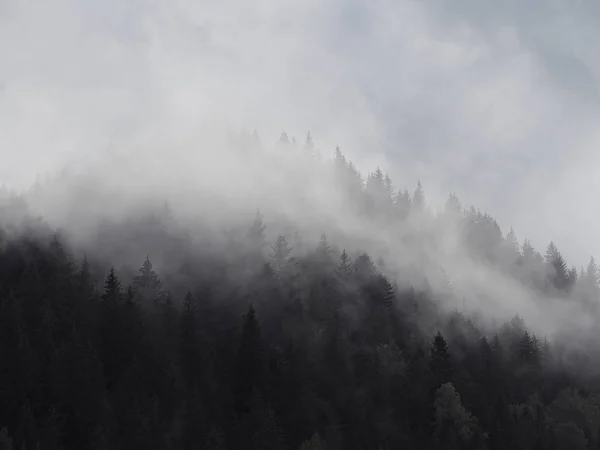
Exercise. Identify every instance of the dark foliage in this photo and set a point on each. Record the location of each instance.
(269, 348)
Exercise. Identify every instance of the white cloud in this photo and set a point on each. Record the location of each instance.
(498, 102)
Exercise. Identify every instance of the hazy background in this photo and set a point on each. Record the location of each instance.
(497, 101)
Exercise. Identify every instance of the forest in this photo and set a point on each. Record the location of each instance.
(268, 336)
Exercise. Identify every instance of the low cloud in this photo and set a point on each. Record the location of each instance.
(498, 103)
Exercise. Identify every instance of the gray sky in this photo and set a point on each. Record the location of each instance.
(497, 101)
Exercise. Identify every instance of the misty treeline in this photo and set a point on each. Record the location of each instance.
(267, 339)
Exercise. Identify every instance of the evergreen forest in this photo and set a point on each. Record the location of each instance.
(271, 333)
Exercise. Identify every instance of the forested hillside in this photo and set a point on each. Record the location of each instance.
(390, 326)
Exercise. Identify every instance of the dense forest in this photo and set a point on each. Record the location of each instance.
(265, 336)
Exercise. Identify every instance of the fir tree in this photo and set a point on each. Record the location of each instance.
(250, 370)
(441, 365)
(112, 287)
(418, 200)
(147, 284)
(281, 258)
(309, 145)
(558, 268)
(284, 139)
(324, 250)
(402, 204)
(256, 236)
(453, 205)
(344, 268)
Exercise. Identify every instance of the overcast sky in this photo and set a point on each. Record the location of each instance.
(496, 100)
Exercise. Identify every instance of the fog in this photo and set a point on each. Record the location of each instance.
(141, 102)
(210, 192)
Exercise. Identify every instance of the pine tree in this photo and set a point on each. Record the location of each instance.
(513, 243)
(551, 253)
(455, 427)
(380, 315)
(147, 284)
(572, 276)
(381, 292)
(558, 268)
(284, 139)
(453, 205)
(84, 279)
(377, 195)
(250, 370)
(375, 182)
(255, 236)
(339, 161)
(402, 204)
(281, 259)
(112, 331)
(529, 253)
(363, 267)
(112, 287)
(441, 365)
(309, 145)
(344, 268)
(390, 190)
(64, 264)
(418, 200)
(148, 278)
(589, 281)
(324, 250)
(526, 348)
(189, 344)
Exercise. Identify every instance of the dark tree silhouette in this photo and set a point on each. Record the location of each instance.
(332, 352)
